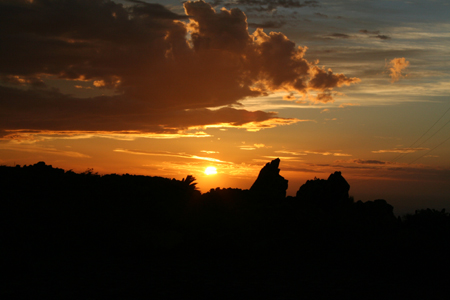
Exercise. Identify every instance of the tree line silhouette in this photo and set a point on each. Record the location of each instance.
(77, 235)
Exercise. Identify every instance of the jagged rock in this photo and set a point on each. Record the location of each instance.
(270, 184)
(330, 193)
(338, 186)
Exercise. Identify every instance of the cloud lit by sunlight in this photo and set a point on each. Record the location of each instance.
(32, 136)
(396, 67)
(161, 153)
(306, 152)
(400, 150)
(209, 56)
(43, 150)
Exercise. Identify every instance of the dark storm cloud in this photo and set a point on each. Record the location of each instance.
(167, 73)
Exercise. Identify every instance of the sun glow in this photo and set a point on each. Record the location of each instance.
(210, 171)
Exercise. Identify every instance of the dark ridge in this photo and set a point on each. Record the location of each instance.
(84, 236)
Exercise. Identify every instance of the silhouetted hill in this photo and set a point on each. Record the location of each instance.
(75, 236)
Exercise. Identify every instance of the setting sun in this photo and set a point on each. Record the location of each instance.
(210, 171)
(229, 90)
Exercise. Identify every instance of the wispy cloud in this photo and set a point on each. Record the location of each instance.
(298, 153)
(339, 35)
(320, 15)
(42, 150)
(268, 24)
(400, 150)
(257, 126)
(306, 152)
(375, 34)
(33, 136)
(171, 154)
(349, 104)
(253, 147)
(283, 158)
(369, 162)
(209, 151)
(269, 5)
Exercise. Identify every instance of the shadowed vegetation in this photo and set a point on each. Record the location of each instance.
(73, 236)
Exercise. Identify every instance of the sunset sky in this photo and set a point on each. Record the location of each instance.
(166, 88)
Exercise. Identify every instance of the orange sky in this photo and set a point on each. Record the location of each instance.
(167, 89)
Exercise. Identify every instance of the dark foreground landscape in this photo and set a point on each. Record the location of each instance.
(84, 236)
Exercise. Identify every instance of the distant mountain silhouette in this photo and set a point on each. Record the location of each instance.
(68, 235)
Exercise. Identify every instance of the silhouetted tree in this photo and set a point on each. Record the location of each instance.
(96, 231)
(189, 181)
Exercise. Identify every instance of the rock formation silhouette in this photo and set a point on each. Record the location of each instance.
(270, 184)
(327, 194)
(70, 236)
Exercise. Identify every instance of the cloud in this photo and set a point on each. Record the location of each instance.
(320, 15)
(283, 158)
(53, 111)
(253, 147)
(154, 11)
(268, 24)
(271, 5)
(42, 150)
(401, 150)
(214, 3)
(340, 35)
(163, 73)
(348, 104)
(369, 162)
(375, 34)
(324, 81)
(289, 97)
(396, 67)
(382, 37)
(246, 147)
(33, 136)
(302, 170)
(172, 154)
(297, 153)
(317, 152)
(209, 151)
(365, 31)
